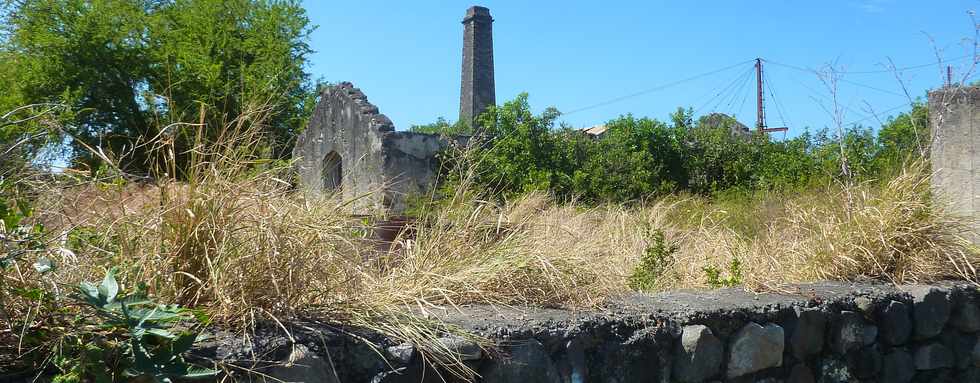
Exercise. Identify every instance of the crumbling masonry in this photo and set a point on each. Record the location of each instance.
(350, 148)
(955, 126)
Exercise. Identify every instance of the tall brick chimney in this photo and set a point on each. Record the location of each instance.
(477, 89)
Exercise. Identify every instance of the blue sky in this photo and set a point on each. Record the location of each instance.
(406, 56)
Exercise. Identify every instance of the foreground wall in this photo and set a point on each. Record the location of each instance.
(955, 125)
(825, 332)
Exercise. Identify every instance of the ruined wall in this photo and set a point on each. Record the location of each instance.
(379, 168)
(955, 125)
(820, 332)
(345, 123)
(410, 166)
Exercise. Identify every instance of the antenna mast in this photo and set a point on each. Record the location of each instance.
(760, 123)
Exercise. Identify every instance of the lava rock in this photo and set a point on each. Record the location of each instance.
(931, 356)
(976, 355)
(966, 317)
(465, 349)
(930, 310)
(847, 332)
(401, 354)
(755, 348)
(864, 363)
(302, 365)
(800, 373)
(896, 323)
(869, 335)
(528, 362)
(833, 370)
(897, 366)
(699, 355)
(807, 332)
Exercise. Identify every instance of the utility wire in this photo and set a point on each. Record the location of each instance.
(913, 67)
(724, 91)
(816, 72)
(656, 88)
(775, 101)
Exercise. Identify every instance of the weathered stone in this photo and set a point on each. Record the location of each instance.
(833, 370)
(807, 332)
(869, 335)
(896, 323)
(976, 355)
(698, 356)
(466, 349)
(755, 348)
(953, 152)
(864, 363)
(402, 353)
(847, 332)
(930, 310)
(573, 367)
(800, 373)
(350, 149)
(897, 366)
(528, 362)
(302, 365)
(931, 356)
(865, 305)
(477, 85)
(961, 344)
(966, 317)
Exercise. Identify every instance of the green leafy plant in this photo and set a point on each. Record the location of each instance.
(732, 279)
(655, 260)
(140, 338)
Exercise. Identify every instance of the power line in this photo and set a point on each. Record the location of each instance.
(816, 72)
(656, 88)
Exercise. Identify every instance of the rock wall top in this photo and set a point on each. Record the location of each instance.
(822, 332)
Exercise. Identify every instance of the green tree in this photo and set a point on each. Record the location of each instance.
(129, 68)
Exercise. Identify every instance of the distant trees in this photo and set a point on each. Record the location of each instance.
(638, 158)
(123, 70)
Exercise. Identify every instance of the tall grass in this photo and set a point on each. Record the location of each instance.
(232, 237)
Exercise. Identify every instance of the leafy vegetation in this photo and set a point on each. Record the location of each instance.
(123, 72)
(642, 158)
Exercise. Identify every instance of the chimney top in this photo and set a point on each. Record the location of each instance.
(477, 11)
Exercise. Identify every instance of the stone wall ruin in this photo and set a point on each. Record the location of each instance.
(351, 149)
(818, 332)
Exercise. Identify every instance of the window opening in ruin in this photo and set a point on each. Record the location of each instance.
(332, 172)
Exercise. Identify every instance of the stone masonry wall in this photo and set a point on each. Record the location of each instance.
(346, 123)
(822, 332)
(955, 125)
(381, 169)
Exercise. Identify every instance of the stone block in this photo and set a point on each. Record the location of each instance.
(302, 365)
(930, 310)
(847, 332)
(864, 363)
(895, 323)
(698, 356)
(800, 373)
(966, 316)
(931, 356)
(755, 348)
(897, 366)
(807, 332)
(466, 349)
(528, 362)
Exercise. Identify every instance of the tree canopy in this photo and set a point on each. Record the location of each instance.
(124, 70)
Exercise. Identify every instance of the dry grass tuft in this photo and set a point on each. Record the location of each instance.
(236, 240)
